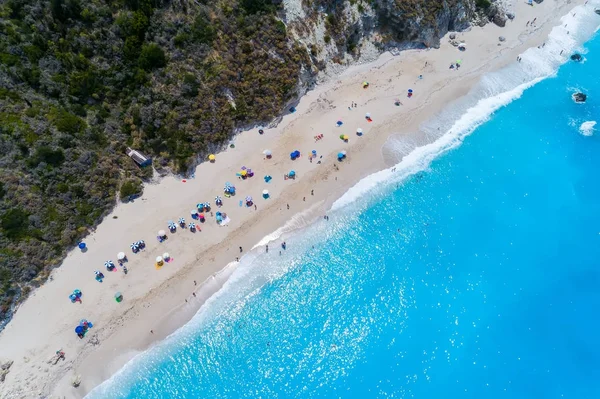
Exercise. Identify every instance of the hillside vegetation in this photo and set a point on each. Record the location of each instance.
(82, 80)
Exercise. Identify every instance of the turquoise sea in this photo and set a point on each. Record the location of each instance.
(473, 271)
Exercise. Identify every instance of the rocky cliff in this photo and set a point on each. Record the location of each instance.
(347, 31)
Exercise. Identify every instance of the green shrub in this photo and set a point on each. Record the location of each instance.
(131, 188)
(483, 4)
(152, 57)
(14, 223)
(66, 122)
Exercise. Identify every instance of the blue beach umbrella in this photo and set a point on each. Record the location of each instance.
(79, 330)
(340, 155)
(410, 90)
(81, 245)
(73, 297)
(292, 173)
(339, 123)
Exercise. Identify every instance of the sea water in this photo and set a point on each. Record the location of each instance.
(477, 276)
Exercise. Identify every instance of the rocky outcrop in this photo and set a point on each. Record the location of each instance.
(579, 97)
(423, 23)
(4, 369)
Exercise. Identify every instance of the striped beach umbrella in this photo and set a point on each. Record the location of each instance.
(192, 226)
(172, 225)
(200, 205)
(181, 221)
(97, 272)
(108, 264)
(134, 247)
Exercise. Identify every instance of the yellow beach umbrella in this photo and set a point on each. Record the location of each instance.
(212, 157)
(345, 138)
(243, 173)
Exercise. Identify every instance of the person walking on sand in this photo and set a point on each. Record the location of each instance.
(241, 250)
(312, 192)
(288, 206)
(194, 282)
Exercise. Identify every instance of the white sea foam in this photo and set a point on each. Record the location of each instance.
(587, 128)
(495, 90)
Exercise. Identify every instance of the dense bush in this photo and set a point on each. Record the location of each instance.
(131, 188)
(83, 80)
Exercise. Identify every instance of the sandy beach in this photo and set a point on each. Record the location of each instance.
(158, 300)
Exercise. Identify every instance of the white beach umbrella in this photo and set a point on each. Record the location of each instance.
(268, 153)
(368, 115)
(166, 256)
(265, 192)
(359, 130)
(161, 233)
(121, 255)
(159, 259)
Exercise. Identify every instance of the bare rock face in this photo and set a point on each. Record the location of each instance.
(423, 23)
(4, 369)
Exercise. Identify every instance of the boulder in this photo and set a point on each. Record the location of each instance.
(510, 15)
(502, 38)
(500, 20)
(452, 36)
(579, 97)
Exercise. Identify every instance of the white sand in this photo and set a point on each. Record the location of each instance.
(155, 299)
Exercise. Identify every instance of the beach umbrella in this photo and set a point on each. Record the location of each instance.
(267, 153)
(207, 204)
(118, 296)
(243, 173)
(365, 85)
(345, 137)
(107, 264)
(340, 155)
(265, 193)
(121, 255)
(192, 226)
(171, 225)
(343, 152)
(368, 115)
(212, 157)
(292, 173)
(166, 256)
(159, 259)
(97, 272)
(140, 243)
(77, 293)
(79, 330)
(73, 297)
(181, 221)
(339, 123)
(359, 131)
(314, 152)
(410, 90)
(161, 233)
(134, 246)
(81, 245)
(194, 212)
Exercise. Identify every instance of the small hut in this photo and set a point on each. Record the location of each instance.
(140, 159)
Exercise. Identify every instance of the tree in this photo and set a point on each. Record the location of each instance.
(152, 57)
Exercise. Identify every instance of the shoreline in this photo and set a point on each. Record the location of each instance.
(164, 296)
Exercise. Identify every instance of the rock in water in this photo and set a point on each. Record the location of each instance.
(576, 57)
(579, 97)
